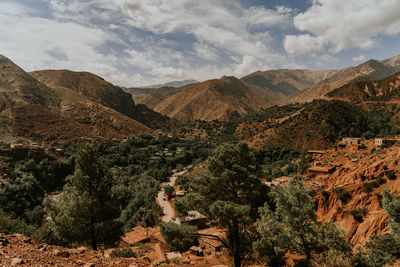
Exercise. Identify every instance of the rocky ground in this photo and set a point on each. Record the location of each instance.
(16, 249)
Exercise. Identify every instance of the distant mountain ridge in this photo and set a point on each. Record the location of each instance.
(170, 84)
(369, 70)
(217, 99)
(277, 84)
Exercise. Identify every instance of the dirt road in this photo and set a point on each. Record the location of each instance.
(166, 206)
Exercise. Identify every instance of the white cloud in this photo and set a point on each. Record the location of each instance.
(359, 58)
(341, 24)
(303, 44)
(136, 42)
(223, 24)
(248, 65)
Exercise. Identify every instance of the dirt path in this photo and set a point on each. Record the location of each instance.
(168, 210)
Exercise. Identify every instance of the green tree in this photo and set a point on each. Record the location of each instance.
(229, 194)
(179, 237)
(169, 191)
(291, 225)
(86, 210)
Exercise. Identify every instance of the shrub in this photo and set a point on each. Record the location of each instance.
(325, 194)
(358, 214)
(391, 175)
(363, 177)
(123, 253)
(375, 184)
(381, 180)
(385, 167)
(367, 188)
(342, 194)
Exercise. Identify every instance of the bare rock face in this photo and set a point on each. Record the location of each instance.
(350, 176)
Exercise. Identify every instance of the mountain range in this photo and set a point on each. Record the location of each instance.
(370, 70)
(260, 89)
(43, 104)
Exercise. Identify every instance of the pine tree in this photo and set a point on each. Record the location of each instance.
(230, 194)
(86, 211)
(292, 226)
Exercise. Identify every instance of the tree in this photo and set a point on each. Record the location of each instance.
(229, 194)
(86, 210)
(179, 237)
(291, 225)
(169, 191)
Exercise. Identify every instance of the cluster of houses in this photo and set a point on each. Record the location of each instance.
(22, 150)
(158, 250)
(355, 141)
(323, 170)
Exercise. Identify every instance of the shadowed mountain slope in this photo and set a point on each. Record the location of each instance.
(30, 109)
(98, 90)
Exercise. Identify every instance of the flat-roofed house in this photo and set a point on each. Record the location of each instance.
(320, 170)
(209, 240)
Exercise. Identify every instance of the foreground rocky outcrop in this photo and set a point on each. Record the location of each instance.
(16, 249)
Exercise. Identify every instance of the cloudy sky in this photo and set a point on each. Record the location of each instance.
(140, 42)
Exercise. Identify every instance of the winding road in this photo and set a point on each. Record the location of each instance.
(168, 210)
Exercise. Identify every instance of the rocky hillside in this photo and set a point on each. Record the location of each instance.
(350, 194)
(219, 99)
(370, 70)
(387, 89)
(315, 126)
(30, 109)
(100, 91)
(277, 84)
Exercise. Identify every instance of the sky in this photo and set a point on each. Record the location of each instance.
(140, 42)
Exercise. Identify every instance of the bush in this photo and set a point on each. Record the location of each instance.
(375, 184)
(391, 175)
(123, 253)
(325, 194)
(381, 180)
(358, 214)
(342, 194)
(367, 188)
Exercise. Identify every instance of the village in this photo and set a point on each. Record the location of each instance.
(322, 166)
(151, 244)
(209, 250)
